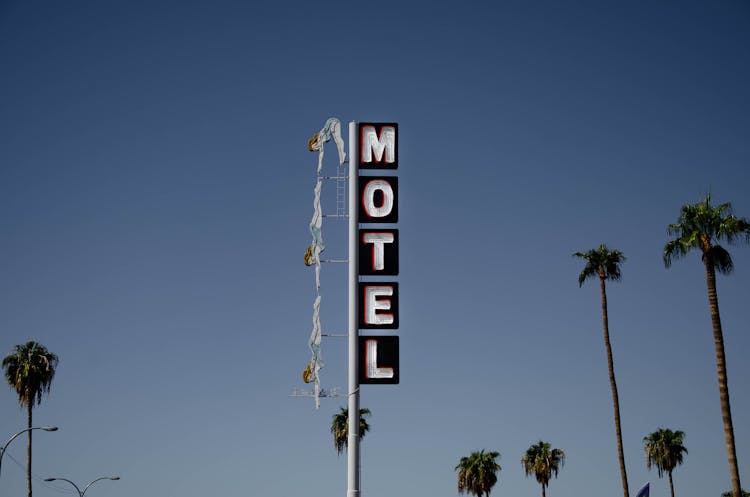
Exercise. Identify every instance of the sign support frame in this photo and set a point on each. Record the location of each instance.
(353, 456)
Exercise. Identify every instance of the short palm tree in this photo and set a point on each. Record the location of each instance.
(729, 494)
(477, 474)
(29, 370)
(701, 227)
(543, 461)
(664, 450)
(605, 264)
(340, 427)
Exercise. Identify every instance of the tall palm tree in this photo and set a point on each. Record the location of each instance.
(664, 450)
(605, 264)
(29, 370)
(477, 474)
(340, 427)
(544, 461)
(701, 227)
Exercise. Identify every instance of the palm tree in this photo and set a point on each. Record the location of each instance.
(664, 450)
(340, 427)
(477, 474)
(544, 461)
(700, 227)
(29, 370)
(729, 494)
(605, 264)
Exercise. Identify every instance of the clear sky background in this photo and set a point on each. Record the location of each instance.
(155, 195)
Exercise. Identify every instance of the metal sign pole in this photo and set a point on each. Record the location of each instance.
(353, 489)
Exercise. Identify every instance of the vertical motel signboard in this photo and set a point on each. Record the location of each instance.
(378, 253)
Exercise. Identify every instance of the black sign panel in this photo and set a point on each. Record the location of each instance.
(378, 360)
(378, 305)
(378, 252)
(378, 146)
(378, 199)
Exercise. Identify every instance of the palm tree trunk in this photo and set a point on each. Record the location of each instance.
(28, 447)
(544, 493)
(613, 384)
(671, 484)
(721, 368)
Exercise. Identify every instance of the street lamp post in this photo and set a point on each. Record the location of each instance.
(80, 493)
(2, 450)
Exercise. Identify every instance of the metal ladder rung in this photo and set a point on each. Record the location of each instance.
(341, 190)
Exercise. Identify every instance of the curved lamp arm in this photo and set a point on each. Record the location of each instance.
(65, 479)
(2, 449)
(81, 493)
(102, 478)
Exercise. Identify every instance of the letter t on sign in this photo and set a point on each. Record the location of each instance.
(378, 251)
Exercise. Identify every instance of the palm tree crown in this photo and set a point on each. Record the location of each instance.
(477, 474)
(701, 226)
(601, 262)
(340, 427)
(729, 494)
(29, 370)
(543, 461)
(664, 450)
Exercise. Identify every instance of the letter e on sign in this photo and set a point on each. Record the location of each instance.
(378, 305)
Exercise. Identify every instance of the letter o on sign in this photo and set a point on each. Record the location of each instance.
(386, 206)
(379, 199)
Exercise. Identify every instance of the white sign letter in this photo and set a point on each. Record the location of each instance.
(378, 249)
(373, 305)
(371, 359)
(368, 199)
(386, 142)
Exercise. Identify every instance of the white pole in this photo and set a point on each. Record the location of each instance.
(353, 445)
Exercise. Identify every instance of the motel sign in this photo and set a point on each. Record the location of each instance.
(378, 252)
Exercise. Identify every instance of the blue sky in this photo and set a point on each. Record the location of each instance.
(155, 195)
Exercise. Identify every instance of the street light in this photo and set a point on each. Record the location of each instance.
(2, 450)
(80, 494)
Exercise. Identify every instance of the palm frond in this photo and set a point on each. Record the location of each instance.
(733, 228)
(675, 249)
(721, 259)
(340, 427)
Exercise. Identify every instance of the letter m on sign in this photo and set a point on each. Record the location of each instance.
(378, 145)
